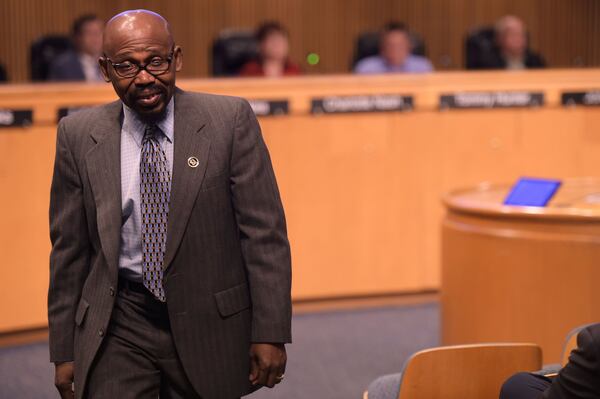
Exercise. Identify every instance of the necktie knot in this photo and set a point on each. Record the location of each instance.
(151, 133)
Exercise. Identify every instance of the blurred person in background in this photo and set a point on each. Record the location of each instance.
(394, 54)
(81, 64)
(273, 59)
(512, 47)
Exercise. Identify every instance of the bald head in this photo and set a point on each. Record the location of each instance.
(141, 60)
(136, 26)
(511, 36)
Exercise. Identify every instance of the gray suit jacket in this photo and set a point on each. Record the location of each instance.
(227, 262)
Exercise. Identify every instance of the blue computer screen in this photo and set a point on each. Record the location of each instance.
(532, 192)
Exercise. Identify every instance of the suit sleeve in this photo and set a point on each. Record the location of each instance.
(69, 257)
(262, 227)
(579, 378)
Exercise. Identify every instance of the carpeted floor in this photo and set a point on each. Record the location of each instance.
(334, 356)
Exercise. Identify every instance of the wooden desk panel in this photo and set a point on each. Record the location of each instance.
(361, 191)
(26, 159)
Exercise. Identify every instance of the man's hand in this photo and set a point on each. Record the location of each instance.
(267, 364)
(63, 379)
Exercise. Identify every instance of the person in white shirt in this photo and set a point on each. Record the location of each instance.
(394, 54)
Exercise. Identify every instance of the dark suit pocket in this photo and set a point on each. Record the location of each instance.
(233, 300)
(218, 180)
(81, 311)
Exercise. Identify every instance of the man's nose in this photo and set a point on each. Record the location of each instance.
(144, 78)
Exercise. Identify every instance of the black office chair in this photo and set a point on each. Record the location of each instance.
(480, 46)
(231, 50)
(367, 45)
(3, 75)
(43, 51)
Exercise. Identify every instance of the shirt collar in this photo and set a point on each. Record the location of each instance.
(134, 126)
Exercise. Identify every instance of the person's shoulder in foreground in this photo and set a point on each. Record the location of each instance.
(377, 64)
(213, 108)
(580, 378)
(85, 120)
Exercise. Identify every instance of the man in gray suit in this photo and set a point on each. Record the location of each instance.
(170, 267)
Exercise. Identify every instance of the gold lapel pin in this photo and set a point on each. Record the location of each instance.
(193, 162)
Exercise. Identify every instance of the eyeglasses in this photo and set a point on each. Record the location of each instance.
(157, 66)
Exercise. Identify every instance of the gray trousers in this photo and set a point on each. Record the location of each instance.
(137, 358)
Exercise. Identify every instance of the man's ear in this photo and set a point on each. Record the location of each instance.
(178, 57)
(103, 62)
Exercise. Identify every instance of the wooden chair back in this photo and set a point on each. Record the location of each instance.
(466, 371)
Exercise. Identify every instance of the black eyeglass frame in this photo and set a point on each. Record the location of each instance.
(142, 67)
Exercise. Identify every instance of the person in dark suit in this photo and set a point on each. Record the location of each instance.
(170, 269)
(81, 64)
(511, 50)
(579, 379)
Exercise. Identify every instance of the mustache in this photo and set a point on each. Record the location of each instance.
(149, 91)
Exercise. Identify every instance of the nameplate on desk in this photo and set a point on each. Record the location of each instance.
(355, 104)
(15, 117)
(269, 107)
(66, 111)
(589, 98)
(492, 99)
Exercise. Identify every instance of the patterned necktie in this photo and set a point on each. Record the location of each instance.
(155, 187)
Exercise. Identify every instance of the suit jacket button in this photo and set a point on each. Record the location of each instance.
(111, 290)
(101, 332)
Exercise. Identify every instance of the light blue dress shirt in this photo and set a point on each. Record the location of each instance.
(132, 133)
(378, 64)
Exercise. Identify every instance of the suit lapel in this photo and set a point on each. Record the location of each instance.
(190, 141)
(103, 163)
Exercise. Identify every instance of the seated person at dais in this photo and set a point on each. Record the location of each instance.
(512, 51)
(395, 54)
(81, 64)
(273, 59)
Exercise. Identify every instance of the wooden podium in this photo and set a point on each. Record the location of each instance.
(522, 274)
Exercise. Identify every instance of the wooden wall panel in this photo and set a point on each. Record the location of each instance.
(567, 32)
(361, 191)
